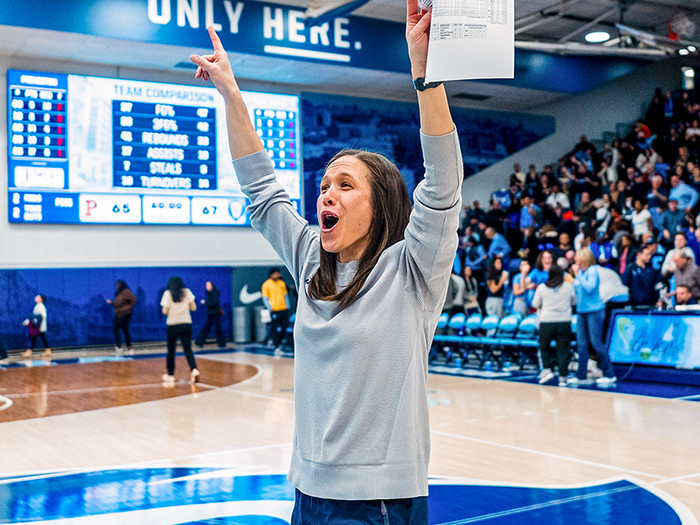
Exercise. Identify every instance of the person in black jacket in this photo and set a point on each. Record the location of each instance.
(641, 279)
(123, 304)
(214, 313)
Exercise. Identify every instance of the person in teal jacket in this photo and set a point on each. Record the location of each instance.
(591, 316)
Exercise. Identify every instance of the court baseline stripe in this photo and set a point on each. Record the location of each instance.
(678, 478)
(542, 453)
(263, 396)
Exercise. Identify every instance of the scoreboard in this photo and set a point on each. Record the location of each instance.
(99, 150)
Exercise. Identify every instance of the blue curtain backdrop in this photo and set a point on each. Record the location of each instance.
(78, 314)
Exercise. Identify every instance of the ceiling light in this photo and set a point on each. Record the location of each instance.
(692, 49)
(683, 52)
(596, 37)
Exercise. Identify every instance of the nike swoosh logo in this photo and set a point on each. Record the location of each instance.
(246, 297)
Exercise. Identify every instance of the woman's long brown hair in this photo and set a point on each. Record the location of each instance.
(392, 209)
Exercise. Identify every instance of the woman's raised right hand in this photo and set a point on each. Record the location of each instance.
(216, 67)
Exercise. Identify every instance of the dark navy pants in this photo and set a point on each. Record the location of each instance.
(318, 511)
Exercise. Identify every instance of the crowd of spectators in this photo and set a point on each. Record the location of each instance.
(635, 203)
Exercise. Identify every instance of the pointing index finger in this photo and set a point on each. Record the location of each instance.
(218, 46)
(411, 8)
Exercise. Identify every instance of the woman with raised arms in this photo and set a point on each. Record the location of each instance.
(372, 284)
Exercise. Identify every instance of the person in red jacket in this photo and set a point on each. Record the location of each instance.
(123, 304)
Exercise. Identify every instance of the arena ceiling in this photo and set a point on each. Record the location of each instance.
(640, 30)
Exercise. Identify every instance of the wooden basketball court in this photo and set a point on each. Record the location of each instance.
(117, 414)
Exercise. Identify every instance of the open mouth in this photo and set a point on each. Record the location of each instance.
(328, 221)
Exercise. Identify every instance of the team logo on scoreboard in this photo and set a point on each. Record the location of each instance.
(236, 207)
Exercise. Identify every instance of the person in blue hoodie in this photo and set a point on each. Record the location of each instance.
(591, 316)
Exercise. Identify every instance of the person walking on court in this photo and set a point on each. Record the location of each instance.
(123, 304)
(276, 299)
(177, 303)
(590, 309)
(214, 314)
(38, 326)
(371, 286)
(553, 300)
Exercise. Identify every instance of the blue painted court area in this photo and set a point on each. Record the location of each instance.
(218, 496)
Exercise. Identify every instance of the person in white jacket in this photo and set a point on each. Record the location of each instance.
(38, 326)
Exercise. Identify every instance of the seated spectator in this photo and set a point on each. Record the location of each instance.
(454, 299)
(657, 199)
(518, 174)
(607, 173)
(684, 297)
(619, 194)
(496, 217)
(496, 280)
(476, 213)
(661, 167)
(646, 161)
(585, 211)
(475, 257)
(602, 216)
(471, 293)
(692, 135)
(582, 145)
(540, 273)
(672, 220)
(685, 195)
(514, 186)
(658, 252)
(529, 249)
(641, 220)
(520, 285)
(680, 244)
(687, 273)
(531, 181)
(604, 251)
(563, 246)
(530, 213)
(695, 182)
(641, 279)
(584, 238)
(639, 187)
(558, 198)
(499, 247)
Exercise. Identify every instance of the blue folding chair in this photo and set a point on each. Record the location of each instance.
(440, 332)
(528, 343)
(488, 329)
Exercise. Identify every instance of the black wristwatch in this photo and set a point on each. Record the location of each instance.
(421, 85)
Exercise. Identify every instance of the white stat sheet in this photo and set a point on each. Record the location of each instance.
(471, 39)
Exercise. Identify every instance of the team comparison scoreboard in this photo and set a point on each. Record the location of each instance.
(85, 149)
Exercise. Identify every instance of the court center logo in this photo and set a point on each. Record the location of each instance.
(224, 496)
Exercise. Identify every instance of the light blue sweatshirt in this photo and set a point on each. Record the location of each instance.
(360, 374)
(587, 284)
